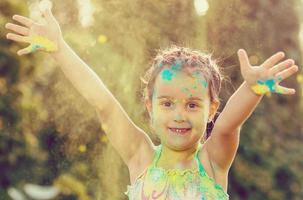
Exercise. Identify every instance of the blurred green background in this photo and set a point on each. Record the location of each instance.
(50, 136)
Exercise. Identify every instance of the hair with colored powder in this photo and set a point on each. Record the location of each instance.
(190, 58)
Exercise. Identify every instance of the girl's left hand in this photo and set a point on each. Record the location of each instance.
(266, 77)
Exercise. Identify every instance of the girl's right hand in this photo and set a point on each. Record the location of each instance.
(42, 37)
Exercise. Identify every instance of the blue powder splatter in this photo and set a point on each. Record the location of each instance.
(36, 46)
(204, 83)
(196, 74)
(167, 74)
(186, 90)
(177, 66)
(270, 84)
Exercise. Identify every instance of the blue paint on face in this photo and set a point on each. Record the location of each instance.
(177, 65)
(187, 91)
(197, 74)
(167, 74)
(204, 83)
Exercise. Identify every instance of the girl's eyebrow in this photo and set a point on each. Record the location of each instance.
(168, 97)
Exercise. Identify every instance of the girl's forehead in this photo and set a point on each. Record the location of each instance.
(181, 84)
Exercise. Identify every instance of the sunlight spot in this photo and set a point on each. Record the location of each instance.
(102, 39)
(104, 139)
(86, 11)
(201, 7)
(300, 78)
(45, 4)
(82, 148)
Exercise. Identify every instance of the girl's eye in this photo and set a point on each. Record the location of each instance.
(167, 104)
(192, 105)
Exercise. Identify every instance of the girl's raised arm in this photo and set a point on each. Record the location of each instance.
(123, 134)
(259, 80)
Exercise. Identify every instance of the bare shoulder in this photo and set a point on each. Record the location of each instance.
(141, 160)
(220, 176)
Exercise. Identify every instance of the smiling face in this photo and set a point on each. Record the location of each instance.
(180, 107)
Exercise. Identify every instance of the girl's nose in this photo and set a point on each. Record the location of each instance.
(179, 117)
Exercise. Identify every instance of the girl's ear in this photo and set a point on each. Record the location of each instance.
(213, 109)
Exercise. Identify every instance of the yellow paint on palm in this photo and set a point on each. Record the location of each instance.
(268, 94)
(268, 86)
(260, 89)
(39, 42)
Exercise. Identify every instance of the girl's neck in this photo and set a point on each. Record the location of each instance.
(172, 159)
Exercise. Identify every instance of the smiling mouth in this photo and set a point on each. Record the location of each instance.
(180, 131)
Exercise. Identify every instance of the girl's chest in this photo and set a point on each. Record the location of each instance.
(139, 166)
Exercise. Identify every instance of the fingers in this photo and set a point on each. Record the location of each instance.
(18, 29)
(23, 20)
(243, 59)
(26, 50)
(17, 38)
(286, 73)
(47, 13)
(284, 90)
(273, 60)
(281, 66)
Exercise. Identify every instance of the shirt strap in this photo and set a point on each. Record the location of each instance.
(157, 155)
(199, 164)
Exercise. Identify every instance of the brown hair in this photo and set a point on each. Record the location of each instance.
(189, 58)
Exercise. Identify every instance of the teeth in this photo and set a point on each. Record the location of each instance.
(179, 130)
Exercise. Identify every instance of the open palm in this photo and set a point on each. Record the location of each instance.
(40, 36)
(266, 77)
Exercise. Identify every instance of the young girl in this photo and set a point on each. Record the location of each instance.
(181, 96)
